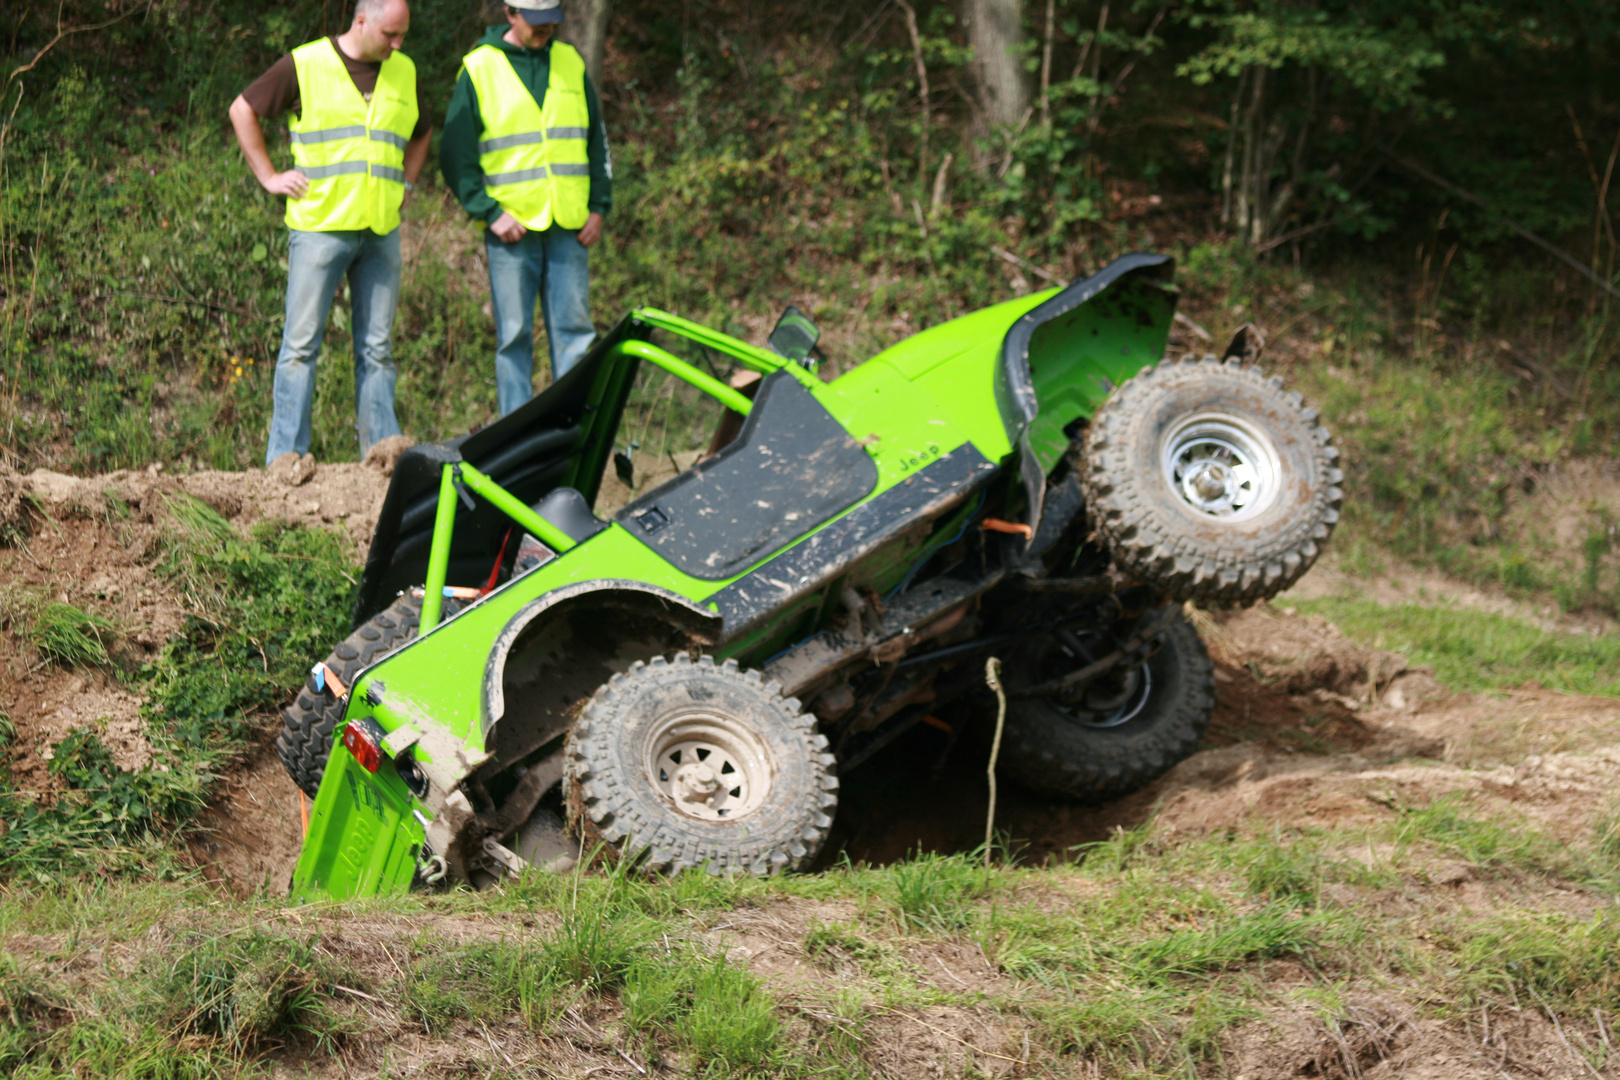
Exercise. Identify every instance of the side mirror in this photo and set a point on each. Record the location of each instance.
(794, 337)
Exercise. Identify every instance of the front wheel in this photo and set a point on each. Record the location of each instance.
(1210, 482)
(1118, 733)
(692, 763)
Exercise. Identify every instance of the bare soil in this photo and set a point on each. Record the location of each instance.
(1310, 727)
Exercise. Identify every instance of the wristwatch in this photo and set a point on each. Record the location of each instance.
(409, 186)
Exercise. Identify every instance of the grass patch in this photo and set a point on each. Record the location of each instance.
(68, 636)
(252, 991)
(937, 893)
(1486, 843)
(482, 982)
(1144, 970)
(1557, 961)
(1477, 650)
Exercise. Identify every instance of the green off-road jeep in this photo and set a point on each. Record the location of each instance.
(683, 677)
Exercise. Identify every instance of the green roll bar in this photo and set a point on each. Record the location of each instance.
(460, 477)
(686, 372)
(751, 356)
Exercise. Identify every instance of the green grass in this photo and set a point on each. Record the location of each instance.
(1476, 650)
(68, 636)
(1482, 842)
(1555, 960)
(1142, 962)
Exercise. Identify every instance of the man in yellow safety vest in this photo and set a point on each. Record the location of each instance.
(526, 152)
(359, 139)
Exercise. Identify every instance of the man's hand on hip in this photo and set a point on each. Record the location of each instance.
(292, 184)
(508, 229)
(592, 232)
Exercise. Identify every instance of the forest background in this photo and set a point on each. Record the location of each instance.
(1359, 176)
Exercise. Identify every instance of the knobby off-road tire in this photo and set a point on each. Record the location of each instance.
(1208, 480)
(1070, 752)
(307, 724)
(641, 770)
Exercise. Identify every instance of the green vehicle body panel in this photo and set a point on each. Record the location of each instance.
(940, 391)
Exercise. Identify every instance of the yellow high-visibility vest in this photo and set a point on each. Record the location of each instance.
(534, 159)
(352, 151)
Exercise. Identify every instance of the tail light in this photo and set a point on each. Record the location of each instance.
(363, 738)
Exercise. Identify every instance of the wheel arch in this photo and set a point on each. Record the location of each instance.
(621, 596)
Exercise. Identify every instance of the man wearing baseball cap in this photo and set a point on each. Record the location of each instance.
(526, 152)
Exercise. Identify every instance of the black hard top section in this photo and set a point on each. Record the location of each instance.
(539, 446)
(791, 467)
(1015, 390)
(805, 567)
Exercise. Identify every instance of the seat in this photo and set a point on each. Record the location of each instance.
(567, 509)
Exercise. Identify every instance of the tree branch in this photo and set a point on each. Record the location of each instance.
(61, 33)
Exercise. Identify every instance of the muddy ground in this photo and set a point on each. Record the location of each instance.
(1310, 728)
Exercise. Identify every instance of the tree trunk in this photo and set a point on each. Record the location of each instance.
(585, 25)
(996, 32)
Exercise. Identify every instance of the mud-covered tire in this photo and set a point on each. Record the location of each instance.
(619, 755)
(1059, 751)
(1213, 541)
(308, 723)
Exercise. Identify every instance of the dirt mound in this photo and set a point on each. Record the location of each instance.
(1302, 655)
(93, 543)
(1310, 728)
(347, 495)
(250, 837)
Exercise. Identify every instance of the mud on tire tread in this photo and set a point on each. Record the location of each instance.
(308, 723)
(1053, 755)
(1142, 520)
(610, 801)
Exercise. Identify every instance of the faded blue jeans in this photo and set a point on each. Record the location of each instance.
(317, 263)
(554, 266)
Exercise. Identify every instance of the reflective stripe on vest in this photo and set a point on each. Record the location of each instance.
(352, 151)
(534, 156)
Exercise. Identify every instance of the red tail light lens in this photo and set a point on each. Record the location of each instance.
(363, 738)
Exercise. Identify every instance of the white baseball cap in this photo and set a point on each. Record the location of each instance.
(538, 12)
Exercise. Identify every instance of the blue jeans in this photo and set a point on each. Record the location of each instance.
(554, 266)
(317, 263)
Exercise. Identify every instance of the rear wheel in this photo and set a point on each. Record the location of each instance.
(1117, 733)
(690, 763)
(307, 724)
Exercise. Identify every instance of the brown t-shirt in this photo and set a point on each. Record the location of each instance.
(276, 91)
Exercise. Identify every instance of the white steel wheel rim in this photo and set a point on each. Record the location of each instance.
(1222, 467)
(709, 767)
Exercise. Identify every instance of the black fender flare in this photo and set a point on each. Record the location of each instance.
(671, 607)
